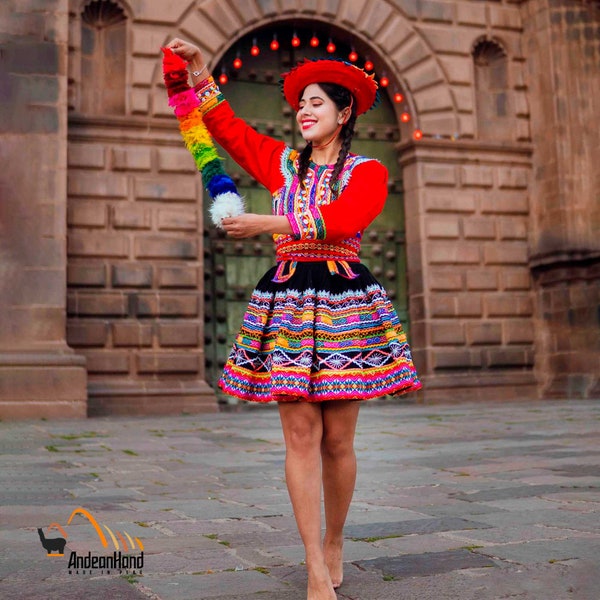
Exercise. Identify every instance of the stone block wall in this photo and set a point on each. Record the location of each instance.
(135, 267)
(474, 310)
(568, 331)
(502, 234)
(466, 198)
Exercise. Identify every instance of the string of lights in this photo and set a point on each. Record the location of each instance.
(314, 42)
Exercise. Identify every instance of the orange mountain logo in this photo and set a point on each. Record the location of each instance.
(121, 558)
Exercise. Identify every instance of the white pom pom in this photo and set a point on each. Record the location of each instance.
(226, 205)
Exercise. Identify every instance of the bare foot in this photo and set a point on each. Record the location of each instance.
(319, 584)
(335, 561)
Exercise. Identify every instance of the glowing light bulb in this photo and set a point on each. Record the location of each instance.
(223, 79)
(353, 56)
(295, 41)
(398, 97)
(405, 117)
(384, 81)
(237, 63)
(274, 44)
(417, 134)
(255, 50)
(369, 66)
(314, 41)
(330, 47)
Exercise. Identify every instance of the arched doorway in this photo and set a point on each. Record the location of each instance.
(233, 267)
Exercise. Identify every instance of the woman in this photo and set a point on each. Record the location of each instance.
(319, 332)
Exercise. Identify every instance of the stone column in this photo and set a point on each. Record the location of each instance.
(562, 39)
(39, 375)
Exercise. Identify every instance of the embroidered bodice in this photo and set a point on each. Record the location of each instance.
(309, 238)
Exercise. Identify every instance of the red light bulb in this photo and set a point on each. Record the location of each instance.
(237, 63)
(223, 79)
(330, 47)
(417, 134)
(369, 66)
(314, 41)
(295, 41)
(398, 97)
(384, 81)
(255, 50)
(274, 44)
(405, 117)
(353, 56)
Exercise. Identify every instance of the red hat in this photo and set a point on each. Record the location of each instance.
(359, 83)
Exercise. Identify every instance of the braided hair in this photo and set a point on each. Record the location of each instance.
(342, 98)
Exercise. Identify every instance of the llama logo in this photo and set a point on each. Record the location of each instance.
(123, 544)
(52, 544)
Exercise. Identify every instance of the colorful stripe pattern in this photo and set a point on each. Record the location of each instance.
(301, 203)
(334, 341)
(318, 250)
(197, 139)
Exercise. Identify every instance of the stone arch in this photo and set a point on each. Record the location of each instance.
(489, 40)
(381, 27)
(77, 6)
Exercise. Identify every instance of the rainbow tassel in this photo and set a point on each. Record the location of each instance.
(226, 200)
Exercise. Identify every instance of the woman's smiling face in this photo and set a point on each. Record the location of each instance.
(318, 116)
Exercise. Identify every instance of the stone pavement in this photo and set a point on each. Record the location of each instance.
(476, 501)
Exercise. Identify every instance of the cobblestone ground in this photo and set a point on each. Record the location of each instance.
(476, 501)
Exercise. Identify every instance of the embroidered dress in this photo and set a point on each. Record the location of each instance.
(319, 326)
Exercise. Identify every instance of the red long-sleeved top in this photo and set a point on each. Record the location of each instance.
(312, 213)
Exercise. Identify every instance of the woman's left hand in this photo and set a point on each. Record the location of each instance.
(244, 226)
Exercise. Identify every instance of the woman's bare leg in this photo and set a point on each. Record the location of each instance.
(339, 479)
(303, 431)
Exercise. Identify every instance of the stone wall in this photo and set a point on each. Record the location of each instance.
(39, 375)
(473, 312)
(135, 276)
(567, 328)
(135, 271)
(466, 196)
(563, 41)
(502, 220)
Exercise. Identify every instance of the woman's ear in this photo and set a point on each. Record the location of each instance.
(344, 116)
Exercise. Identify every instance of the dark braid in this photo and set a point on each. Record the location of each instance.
(346, 134)
(342, 99)
(303, 162)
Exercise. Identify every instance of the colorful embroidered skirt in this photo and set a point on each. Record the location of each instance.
(319, 337)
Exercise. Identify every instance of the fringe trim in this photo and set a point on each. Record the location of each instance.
(222, 189)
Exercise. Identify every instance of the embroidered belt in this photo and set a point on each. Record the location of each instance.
(337, 256)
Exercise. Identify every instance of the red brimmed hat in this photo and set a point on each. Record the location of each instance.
(360, 84)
